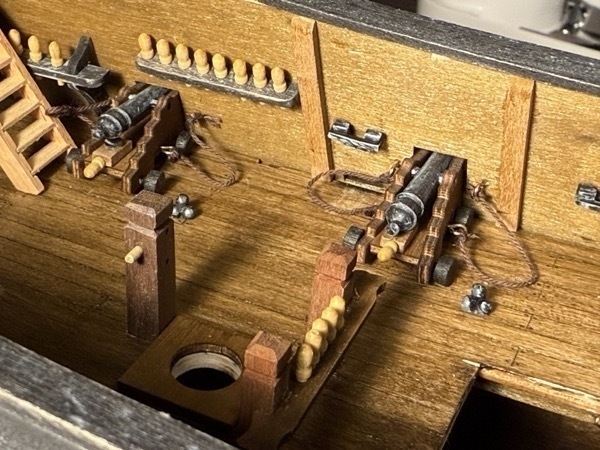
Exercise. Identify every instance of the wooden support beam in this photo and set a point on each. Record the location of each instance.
(150, 246)
(518, 115)
(305, 40)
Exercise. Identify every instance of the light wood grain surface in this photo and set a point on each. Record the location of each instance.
(418, 98)
(253, 244)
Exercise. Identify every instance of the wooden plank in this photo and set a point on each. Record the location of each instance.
(46, 155)
(417, 98)
(75, 285)
(112, 155)
(4, 60)
(16, 168)
(563, 119)
(17, 111)
(249, 30)
(548, 390)
(312, 96)
(518, 117)
(558, 367)
(24, 425)
(362, 425)
(10, 85)
(31, 134)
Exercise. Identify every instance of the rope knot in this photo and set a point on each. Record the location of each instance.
(462, 232)
(171, 152)
(200, 119)
(389, 174)
(477, 191)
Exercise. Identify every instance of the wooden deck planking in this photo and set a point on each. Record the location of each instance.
(358, 427)
(247, 262)
(586, 338)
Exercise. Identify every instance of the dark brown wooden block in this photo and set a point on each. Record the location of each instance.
(149, 210)
(150, 278)
(336, 261)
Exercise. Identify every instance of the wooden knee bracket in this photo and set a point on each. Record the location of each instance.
(150, 273)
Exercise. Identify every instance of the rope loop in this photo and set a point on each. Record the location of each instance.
(479, 194)
(369, 210)
(197, 120)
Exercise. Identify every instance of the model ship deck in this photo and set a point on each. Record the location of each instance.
(247, 261)
(249, 266)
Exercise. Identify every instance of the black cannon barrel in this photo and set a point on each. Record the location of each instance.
(120, 118)
(409, 205)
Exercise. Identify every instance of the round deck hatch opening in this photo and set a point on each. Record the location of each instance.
(206, 367)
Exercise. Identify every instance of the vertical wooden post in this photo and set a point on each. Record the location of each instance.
(150, 275)
(312, 95)
(518, 115)
(333, 276)
(266, 376)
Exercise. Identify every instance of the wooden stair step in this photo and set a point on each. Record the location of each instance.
(10, 85)
(46, 155)
(32, 133)
(17, 111)
(4, 61)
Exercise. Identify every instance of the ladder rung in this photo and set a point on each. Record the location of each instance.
(4, 61)
(46, 155)
(32, 133)
(10, 85)
(17, 111)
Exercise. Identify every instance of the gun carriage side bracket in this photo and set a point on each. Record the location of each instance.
(133, 164)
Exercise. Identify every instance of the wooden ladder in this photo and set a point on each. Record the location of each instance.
(29, 138)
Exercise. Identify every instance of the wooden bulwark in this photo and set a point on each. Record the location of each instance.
(419, 98)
